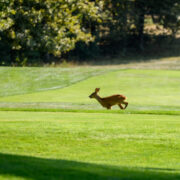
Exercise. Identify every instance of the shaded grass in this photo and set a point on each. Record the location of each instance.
(41, 169)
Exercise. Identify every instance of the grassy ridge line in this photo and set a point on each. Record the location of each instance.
(155, 112)
(26, 80)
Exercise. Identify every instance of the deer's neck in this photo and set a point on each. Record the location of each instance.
(99, 99)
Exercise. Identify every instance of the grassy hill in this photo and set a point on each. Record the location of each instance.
(145, 90)
(50, 129)
(16, 80)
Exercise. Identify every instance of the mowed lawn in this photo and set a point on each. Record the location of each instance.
(50, 129)
(61, 145)
(145, 90)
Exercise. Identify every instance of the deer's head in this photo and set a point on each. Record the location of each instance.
(94, 94)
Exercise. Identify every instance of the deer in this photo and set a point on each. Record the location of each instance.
(109, 101)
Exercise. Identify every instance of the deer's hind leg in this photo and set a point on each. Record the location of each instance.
(120, 106)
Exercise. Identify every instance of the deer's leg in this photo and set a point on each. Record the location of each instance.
(108, 107)
(120, 106)
(126, 104)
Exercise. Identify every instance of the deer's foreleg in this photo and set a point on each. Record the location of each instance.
(108, 107)
(126, 104)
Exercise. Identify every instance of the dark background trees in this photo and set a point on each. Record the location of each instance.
(34, 31)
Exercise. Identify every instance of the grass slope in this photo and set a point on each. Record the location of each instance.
(57, 132)
(48, 145)
(145, 89)
(15, 80)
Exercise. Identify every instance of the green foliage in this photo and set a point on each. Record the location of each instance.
(34, 29)
(37, 30)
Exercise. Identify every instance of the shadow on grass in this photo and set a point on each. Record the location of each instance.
(41, 169)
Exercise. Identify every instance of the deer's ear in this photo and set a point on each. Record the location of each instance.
(97, 90)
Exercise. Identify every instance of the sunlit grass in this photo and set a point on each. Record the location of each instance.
(50, 129)
(145, 90)
(15, 80)
(134, 141)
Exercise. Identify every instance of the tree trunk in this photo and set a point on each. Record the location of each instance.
(140, 14)
(141, 30)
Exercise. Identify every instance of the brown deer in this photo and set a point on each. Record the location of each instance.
(109, 101)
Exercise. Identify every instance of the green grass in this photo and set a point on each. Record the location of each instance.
(45, 145)
(28, 80)
(152, 90)
(50, 129)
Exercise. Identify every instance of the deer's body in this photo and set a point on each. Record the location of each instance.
(109, 101)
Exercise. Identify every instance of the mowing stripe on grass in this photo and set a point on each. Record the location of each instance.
(155, 112)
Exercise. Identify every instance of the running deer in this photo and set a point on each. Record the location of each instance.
(109, 101)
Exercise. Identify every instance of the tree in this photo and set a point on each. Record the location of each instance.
(33, 29)
(127, 18)
(167, 13)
